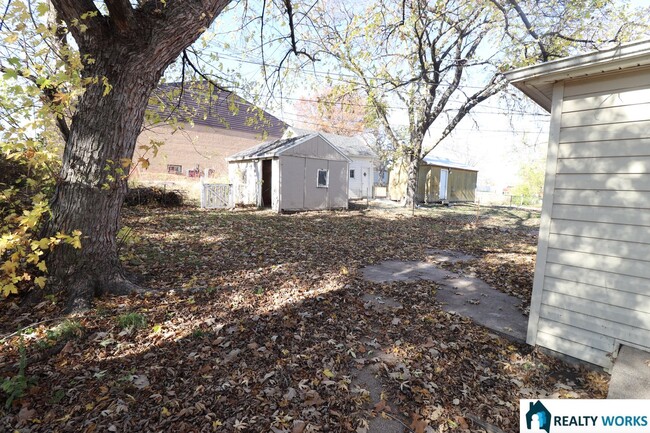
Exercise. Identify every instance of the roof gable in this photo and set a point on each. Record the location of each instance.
(352, 147)
(275, 148)
(203, 104)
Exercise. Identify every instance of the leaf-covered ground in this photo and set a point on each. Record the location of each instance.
(257, 324)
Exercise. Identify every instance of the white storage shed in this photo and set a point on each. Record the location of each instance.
(362, 160)
(291, 174)
(591, 291)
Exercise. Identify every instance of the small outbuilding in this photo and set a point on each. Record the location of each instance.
(439, 180)
(591, 291)
(363, 160)
(291, 174)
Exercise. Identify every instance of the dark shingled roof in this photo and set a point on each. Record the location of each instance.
(266, 150)
(200, 103)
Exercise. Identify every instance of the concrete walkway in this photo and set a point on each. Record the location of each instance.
(630, 375)
(466, 296)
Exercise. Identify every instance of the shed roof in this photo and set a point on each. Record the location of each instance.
(275, 148)
(204, 104)
(445, 162)
(352, 147)
(537, 81)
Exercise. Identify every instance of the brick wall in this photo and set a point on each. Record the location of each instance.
(203, 147)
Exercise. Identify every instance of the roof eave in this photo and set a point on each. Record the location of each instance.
(531, 78)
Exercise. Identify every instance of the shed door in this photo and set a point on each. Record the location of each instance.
(444, 176)
(267, 185)
(365, 179)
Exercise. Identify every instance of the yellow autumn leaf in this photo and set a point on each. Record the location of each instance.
(144, 163)
(40, 281)
(327, 372)
(9, 267)
(9, 289)
(165, 412)
(76, 242)
(60, 98)
(11, 38)
(42, 266)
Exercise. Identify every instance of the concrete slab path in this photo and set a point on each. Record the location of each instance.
(459, 294)
(462, 295)
(630, 375)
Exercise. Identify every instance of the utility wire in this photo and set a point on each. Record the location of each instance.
(328, 74)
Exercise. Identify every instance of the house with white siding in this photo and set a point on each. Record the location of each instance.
(591, 291)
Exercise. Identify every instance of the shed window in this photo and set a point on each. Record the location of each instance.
(323, 178)
(174, 169)
(352, 174)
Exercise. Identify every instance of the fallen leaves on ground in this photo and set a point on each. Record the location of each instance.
(257, 324)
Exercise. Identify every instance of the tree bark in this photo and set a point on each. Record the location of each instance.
(124, 57)
(412, 161)
(93, 184)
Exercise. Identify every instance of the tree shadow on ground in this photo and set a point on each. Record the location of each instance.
(271, 329)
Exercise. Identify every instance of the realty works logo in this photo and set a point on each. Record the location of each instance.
(538, 418)
(584, 416)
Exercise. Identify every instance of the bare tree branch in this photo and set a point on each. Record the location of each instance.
(544, 55)
(292, 34)
(496, 84)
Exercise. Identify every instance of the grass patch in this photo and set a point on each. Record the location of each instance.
(16, 386)
(64, 331)
(131, 320)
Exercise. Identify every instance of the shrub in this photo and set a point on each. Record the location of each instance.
(153, 196)
(16, 386)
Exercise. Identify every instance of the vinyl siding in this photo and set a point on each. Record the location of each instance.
(594, 254)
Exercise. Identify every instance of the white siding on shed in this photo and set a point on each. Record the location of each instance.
(245, 179)
(592, 282)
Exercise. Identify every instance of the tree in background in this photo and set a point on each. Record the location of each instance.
(414, 54)
(530, 186)
(334, 112)
(347, 114)
(438, 60)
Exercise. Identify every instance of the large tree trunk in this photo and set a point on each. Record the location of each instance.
(93, 180)
(411, 165)
(128, 49)
(412, 161)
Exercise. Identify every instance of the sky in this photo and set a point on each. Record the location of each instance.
(493, 140)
